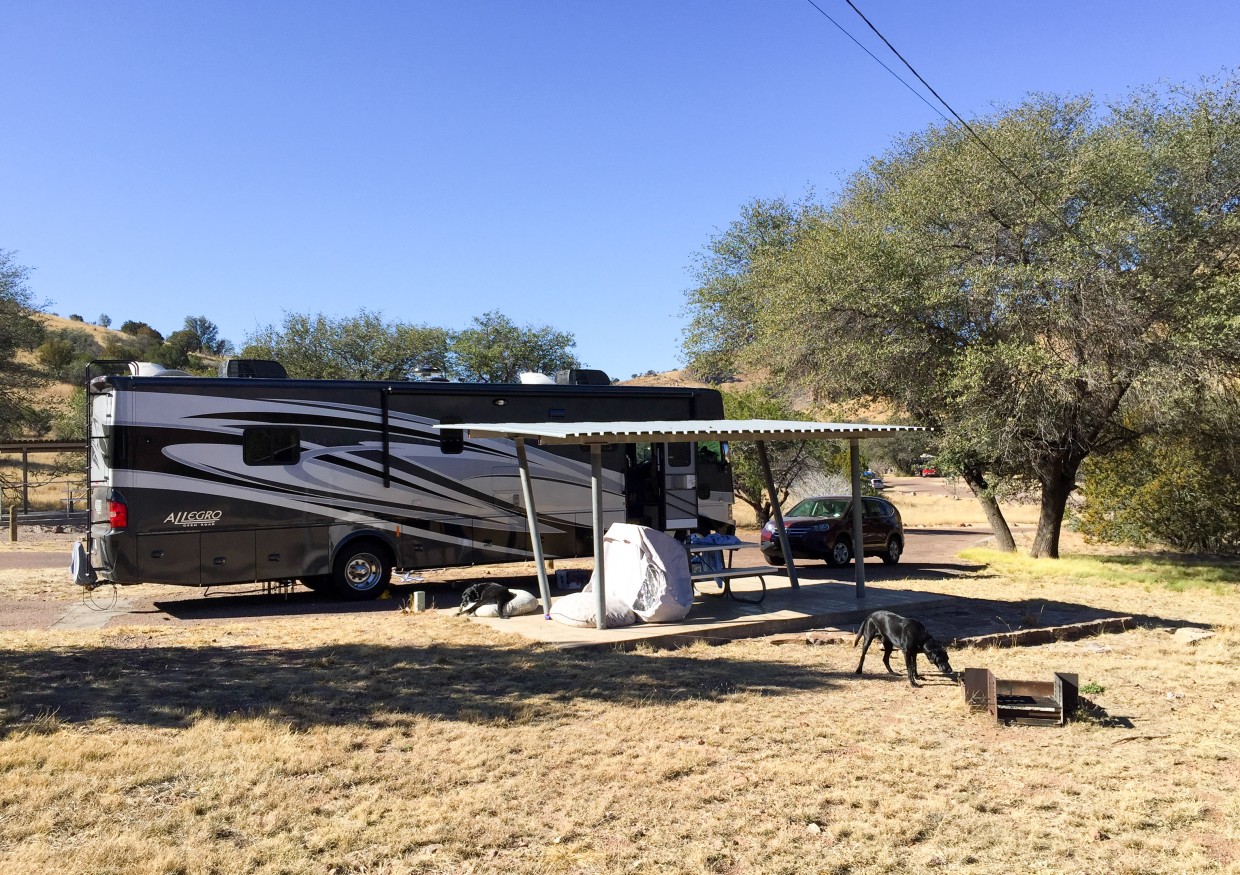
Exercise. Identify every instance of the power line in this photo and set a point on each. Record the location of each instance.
(964, 124)
(959, 119)
(896, 75)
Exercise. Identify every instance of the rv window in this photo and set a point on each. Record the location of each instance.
(271, 446)
(679, 455)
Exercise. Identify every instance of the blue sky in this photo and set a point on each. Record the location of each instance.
(560, 162)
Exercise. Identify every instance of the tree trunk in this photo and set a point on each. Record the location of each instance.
(994, 514)
(1055, 491)
(762, 509)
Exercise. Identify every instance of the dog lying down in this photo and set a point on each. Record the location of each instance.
(495, 600)
(910, 636)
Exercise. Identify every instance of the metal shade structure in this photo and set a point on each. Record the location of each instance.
(596, 435)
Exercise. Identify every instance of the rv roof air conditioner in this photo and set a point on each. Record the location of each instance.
(533, 378)
(152, 369)
(582, 377)
(428, 374)
(259, 369)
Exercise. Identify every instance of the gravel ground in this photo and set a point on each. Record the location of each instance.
(45, 555)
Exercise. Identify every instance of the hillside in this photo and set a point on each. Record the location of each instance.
(674, 378)
(801, 401)
(56, 393)
(667, 378)
(52, 322)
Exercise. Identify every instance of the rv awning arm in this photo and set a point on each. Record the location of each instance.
(760, 431)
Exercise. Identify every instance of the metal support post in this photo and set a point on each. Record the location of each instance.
(531, 518)
(854, 457)
(779, 515)
(596, 499)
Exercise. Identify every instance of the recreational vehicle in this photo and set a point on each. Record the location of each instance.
(252, 476)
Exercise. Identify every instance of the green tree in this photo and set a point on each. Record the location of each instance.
(141, 330)
(141, 346)
(1026, 320)
(56, 354)
(208, 334)
(65, 354)
(69, 423)
(1178, 485)
(175, 351)
(495, 350)
(20, 413)
(361, 347)
(723, 306)
(791, 461)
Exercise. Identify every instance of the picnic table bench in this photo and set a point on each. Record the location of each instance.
(725, 576)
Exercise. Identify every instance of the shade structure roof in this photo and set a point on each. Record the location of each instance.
(598, 434)
(681, 430)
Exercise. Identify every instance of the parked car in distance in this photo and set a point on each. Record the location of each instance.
(930, 471)
(877, 483)
(821, 528)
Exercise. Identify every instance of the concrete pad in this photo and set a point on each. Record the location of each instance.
(719, 619)
(84, 616)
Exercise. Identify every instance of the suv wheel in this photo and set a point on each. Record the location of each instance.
(892, 554)
(841, 552)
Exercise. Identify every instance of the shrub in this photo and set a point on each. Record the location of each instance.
(1179, 490)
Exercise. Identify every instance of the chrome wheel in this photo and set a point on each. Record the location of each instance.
(361, 571)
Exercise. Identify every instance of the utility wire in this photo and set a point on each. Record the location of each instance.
(913, 90)
(964, 124)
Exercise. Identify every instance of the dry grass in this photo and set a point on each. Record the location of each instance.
(926, 510)
(59, 323)
(395, 743)
(930, 510)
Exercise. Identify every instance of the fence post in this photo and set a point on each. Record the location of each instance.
(13, 522)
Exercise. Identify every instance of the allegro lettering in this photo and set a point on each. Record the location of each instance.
(194, 517)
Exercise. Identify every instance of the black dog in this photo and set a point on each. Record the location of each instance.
(480, 594)
(908, 635)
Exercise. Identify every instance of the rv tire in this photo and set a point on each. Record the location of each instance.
(362, 570)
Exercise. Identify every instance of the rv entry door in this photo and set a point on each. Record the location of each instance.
(680, 509)
(661, 486)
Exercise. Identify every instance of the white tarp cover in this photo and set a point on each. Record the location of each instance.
(579, 609)
(648, 571)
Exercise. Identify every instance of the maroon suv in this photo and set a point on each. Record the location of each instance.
(821, 528)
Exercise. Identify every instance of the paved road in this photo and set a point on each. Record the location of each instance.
(34, 560)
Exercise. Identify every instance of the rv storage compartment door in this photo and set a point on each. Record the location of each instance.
(169, 558)
(227, 557)
(286, 553)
